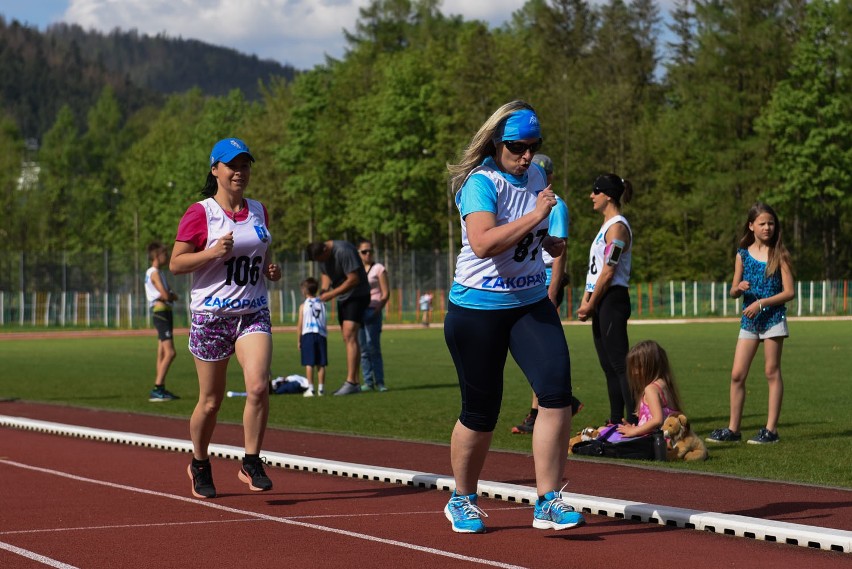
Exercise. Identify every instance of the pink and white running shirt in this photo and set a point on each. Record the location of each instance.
(234, 285)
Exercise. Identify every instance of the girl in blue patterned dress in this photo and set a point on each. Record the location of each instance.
(763, 277)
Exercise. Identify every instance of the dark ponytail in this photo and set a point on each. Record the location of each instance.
(211, 186)
(628, 191)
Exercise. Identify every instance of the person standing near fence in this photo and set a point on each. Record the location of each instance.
(606, 300)
(224, 242)
(344, 278)
(370, 334)
(160, 299)
(763, 277)
(425, 305)
(498, 303)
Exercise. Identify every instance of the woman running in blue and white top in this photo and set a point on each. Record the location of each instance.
(498, 303)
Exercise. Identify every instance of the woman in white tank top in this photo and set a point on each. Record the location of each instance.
(224, 241)
(606, 300)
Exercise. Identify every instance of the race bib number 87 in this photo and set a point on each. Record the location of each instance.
(523, 248)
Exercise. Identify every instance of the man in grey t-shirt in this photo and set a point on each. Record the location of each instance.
(344, 278)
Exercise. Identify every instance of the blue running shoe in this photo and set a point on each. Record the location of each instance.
(158, 395)
(764, 436)
(553, 512)
(725, 435)
(464, 514)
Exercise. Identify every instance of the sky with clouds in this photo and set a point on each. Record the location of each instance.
(298, 32)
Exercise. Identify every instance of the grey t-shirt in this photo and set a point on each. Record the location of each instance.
(344, 260)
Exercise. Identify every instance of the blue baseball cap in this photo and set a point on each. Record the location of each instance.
(227, 149)
(521, 125)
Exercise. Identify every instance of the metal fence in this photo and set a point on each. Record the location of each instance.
(105, 290)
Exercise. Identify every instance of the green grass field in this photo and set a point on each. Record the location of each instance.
(423, 401)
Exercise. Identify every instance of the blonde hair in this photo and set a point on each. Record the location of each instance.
(646, 362)
(778, 253)
(482, 143)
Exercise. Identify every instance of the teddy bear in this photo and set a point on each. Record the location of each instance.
(586, 434)
(685, 444)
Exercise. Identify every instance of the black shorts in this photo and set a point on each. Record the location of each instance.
(164, 323)
(352, 309)
(480, 340)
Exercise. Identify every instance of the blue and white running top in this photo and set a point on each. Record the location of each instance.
(516, 276)
(314, 319)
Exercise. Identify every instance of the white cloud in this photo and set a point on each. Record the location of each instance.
(299, 32)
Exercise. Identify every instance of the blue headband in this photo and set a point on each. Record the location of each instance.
(521, 125)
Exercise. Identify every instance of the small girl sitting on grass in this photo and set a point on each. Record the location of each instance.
(652, 383)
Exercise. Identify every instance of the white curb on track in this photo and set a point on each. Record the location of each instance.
(828, 539)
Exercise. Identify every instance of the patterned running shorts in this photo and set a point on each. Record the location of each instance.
(212, 337)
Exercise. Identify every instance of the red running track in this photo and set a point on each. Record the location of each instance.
(69, 502)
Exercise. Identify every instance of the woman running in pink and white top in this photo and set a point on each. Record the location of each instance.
(224, 241)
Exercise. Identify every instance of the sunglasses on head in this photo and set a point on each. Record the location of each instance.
(519, 148)
(365, 251)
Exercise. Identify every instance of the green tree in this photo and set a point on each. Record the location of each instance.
(61, 156)
(711, 167)
(306, 159)
(95, 200)
(13, 188)
(165, 168)
(396, 189)
(809, 129)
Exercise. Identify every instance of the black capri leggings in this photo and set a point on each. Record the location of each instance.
(609, 330)
(479, 341)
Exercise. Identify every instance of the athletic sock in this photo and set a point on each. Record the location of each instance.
(197, 463)
(251, 458)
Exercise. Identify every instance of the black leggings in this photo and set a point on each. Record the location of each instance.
(480, 340)
(609, 330)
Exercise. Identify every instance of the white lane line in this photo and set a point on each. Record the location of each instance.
(123, 526)
(35, 556)
(240, 521)
(258, 515)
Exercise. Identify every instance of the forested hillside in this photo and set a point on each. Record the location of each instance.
(172, 65)
(754, 103)
(37, 77)
(66, 65)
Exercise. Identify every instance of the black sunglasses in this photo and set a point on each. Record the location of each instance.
(519, 148)
(365, 251)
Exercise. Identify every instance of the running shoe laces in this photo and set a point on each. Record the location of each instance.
(464, 514)
(252, 473)
(468, 510)
(555, 513)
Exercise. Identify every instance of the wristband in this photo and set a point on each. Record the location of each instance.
(760, 304)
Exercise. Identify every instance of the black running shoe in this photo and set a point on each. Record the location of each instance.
(525, 428)
(252, 473)
(202, 480)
